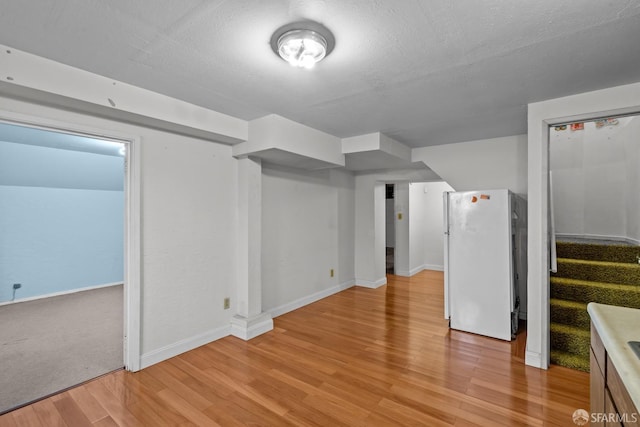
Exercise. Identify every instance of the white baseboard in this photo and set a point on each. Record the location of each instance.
(434, 267)
(372, 285)
(182, 346)
(248, 328)
(406, 273)
(301, 302)
(57, 294)
(417, 270)
(621, 239)
(534, 359)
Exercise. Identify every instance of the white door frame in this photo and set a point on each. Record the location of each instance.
(395, 229)
(614, 101)
(132, 266)
(445, 230)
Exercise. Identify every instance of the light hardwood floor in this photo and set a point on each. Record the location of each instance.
(362, 357)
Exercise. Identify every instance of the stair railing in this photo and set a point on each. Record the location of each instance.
(552, 230)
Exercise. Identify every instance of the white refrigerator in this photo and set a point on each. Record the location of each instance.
(479, 258)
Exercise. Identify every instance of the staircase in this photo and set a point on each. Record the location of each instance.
(588, 272)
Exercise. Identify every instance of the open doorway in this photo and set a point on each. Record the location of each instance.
(594, 205)
(413, 227)
(62, 253)
(390, 228)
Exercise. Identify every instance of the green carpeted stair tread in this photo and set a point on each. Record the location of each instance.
(594, 251)
(586, 291)
(588, 272)
(570, 313)
(599, 271)
(570, 339)
(569, 360)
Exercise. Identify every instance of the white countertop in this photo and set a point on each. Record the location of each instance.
(616, 326)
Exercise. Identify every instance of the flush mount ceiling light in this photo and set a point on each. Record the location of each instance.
(302, 44)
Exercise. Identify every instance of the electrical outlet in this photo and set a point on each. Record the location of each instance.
(331, 272)
(227, 303)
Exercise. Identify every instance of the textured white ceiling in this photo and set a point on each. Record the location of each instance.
(423, 72)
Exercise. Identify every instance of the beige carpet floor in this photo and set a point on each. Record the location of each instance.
(54, 343)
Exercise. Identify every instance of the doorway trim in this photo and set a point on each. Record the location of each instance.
(614, 101)
(132, 259)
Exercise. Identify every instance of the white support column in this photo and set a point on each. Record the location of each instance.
(403, 246)
(370, 232)
(379, 213)
(249, 320)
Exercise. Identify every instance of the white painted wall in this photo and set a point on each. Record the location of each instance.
(410, 253)
(344, 183)
(367, 272)
(188, 237)
(595, 179)
(370, 224)
(420, 237)
(403, 234)
(433, 224)
(482, 164)
(188, 225)
(379, 254)
(631, 135)
(601, 103)
(417, 227)
(307, 230)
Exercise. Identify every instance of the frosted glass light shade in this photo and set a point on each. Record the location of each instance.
(302, 44)
(302, 48)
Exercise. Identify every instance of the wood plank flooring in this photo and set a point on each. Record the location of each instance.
(363, 357)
